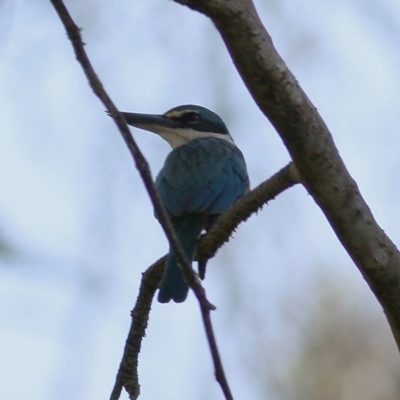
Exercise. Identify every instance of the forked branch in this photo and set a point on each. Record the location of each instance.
(128, 374)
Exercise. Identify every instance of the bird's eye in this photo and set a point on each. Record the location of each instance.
(190, 117)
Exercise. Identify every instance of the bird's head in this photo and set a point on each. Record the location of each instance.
(181, 124)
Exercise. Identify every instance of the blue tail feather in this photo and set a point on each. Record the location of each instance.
(173, 285)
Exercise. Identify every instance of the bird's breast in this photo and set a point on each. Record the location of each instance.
(205, 175)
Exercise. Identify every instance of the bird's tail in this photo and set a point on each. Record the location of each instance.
(173, 284)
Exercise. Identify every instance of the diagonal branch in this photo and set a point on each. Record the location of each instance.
(309, 142)
(241, 211)
(140, 161)
(128, 374)
(144, 171)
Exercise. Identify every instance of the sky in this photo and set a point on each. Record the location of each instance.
(78, 225)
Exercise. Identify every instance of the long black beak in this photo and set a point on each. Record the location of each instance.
(149, 122)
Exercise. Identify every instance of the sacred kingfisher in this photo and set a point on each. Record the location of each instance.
(204, 175)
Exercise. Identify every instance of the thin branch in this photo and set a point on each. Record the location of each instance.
(241, 211)
(144, 171)
(218, 367)
(207, 248)
(127, 375)
(139, 159)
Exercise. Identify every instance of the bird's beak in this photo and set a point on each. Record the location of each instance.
(150, 122)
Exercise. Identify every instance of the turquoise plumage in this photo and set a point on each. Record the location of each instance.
(199, 181)
(202, 177)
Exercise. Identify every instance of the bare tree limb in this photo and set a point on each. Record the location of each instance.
(144, 171)
(311, 146)
(240, 211)
(128, 375)
(128, 369)
(139, 159)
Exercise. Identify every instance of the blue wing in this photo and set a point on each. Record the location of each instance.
(205, 176)
(199, 181)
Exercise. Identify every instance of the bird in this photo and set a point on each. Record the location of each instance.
(203, 175)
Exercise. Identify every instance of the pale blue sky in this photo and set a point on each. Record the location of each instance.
(72, 203)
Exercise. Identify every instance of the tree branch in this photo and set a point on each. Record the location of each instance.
(311, 146)
(127, 374)
(241, 211)
(144, 171)
(128, 369)
(139, 159)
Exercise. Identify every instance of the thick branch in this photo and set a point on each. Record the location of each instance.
(311, 146)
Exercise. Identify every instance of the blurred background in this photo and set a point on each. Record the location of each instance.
(294, 320)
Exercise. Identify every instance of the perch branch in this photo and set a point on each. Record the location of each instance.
(207, 248)
(241, 211)
(144, 171)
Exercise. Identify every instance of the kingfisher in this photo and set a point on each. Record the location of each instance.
(203, 175)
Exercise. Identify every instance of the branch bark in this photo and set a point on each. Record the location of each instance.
(240, 211)
(141, 164)
(127, 375)
(309, 142)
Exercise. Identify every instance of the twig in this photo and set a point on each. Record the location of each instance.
(127, 375)
(143, 168)
(218, 367)
(139, 159)
(207, 247)
(241, 211)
